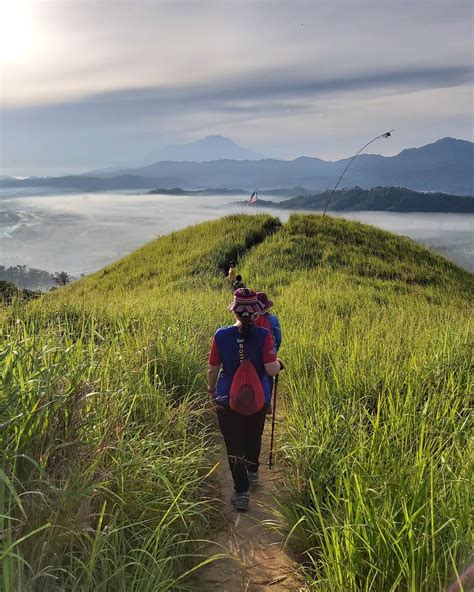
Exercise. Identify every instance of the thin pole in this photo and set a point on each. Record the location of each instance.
(385, 135)
(275, 385)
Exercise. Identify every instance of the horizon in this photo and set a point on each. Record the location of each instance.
(90, 172)
(89, 86)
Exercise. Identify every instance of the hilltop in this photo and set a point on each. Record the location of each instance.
(104, 410)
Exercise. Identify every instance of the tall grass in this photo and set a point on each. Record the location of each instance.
(106, 446)
(378, 350)
(105, 442)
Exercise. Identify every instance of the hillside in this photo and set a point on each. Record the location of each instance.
(108, 444)
(389, 199)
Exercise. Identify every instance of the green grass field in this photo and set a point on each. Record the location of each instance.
(107, 444)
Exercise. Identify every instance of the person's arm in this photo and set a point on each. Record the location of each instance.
(270, 362)
(212, 374)
(213, 369)
(276, 331)
(273, 368)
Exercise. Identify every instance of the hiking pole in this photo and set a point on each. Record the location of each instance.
(275, 385)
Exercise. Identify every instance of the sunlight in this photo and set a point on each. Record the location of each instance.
(15, 30)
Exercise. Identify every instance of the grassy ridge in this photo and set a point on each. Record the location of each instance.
(174, 266)
(390, 199)
(106, 446)
(376, 433)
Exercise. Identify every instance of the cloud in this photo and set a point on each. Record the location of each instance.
(109, 80)
(273, 92)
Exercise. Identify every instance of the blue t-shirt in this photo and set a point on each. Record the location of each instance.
(276, 329)
(271, 322)
(226, 340)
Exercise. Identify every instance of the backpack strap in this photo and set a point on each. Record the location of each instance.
(240, 343)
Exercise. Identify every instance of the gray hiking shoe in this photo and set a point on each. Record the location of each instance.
(252, 477)
(241, 501)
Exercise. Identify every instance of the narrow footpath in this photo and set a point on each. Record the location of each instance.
(256, 559)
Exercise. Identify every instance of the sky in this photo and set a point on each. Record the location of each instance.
(86, 84)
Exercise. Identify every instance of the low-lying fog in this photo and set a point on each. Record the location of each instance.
(80, 233)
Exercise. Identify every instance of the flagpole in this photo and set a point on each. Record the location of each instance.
(385, 135)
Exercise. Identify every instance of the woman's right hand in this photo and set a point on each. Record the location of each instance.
(272, 368)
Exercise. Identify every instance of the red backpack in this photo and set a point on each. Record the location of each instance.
(246, 391)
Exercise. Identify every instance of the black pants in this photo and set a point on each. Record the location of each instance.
(243, 440)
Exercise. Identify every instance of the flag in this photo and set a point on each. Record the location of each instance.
(253, 198)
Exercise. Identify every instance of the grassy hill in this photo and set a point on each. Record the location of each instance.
(108, 446)
(389, 199)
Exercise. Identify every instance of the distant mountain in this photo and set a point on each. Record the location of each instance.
(445, 166)
(206, 149)
(388, 199)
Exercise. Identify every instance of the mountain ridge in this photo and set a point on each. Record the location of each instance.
(443, 166)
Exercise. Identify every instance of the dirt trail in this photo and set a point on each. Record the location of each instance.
(256, 560)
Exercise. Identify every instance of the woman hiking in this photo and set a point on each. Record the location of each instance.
(267, 320)
(234, 346)
(270, 322)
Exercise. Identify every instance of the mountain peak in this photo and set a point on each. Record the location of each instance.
(211, 147)
(217, 137)
(450, 140)
(212, 140)
(448, 148)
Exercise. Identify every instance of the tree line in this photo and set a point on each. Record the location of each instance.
(31, 278)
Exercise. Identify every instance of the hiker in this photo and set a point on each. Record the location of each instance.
(267, 320)
(232, 273)
(238, 283)
(234, 348)
(272, 324)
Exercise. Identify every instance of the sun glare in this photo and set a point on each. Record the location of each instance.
(15, 30)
